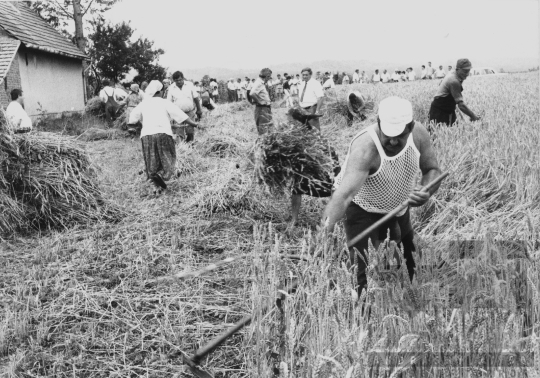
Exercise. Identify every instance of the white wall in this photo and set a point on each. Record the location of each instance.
(54, 81)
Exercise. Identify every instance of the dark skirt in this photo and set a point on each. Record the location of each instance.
(159, 155)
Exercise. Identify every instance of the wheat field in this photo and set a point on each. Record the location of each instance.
(102, 300)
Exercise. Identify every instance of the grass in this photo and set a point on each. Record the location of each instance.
(86, 302)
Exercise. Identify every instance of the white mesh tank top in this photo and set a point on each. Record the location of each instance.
(392, 183)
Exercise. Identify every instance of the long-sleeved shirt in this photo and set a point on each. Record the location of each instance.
(312, 94)
(118, 94)
(156, 114)
(16, 114)
(259, 93)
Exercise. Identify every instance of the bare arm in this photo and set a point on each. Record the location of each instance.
(465, 109)
(356, 172)
(428, 165)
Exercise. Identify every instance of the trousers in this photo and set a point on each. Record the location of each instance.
(401, 231)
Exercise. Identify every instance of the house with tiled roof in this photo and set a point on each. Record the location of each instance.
(38, 59)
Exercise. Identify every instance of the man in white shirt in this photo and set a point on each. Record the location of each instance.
(113, 98)
(430, 71)
(356, 76)
(239, 89)
(215, 93)
(449, 70)
(376, 78)
(329, 82)
(440, 74)
(423, 76)
(16, 114)
(159, 152)
(364, 78)
(385, 76)
(311, 96)
(184, 95)
(231, 89)
(412, 75)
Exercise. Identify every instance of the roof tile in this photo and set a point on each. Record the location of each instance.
(8, 49)
(26, 25)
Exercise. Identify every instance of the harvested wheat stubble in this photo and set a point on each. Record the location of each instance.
(232, 192)
(94, 133)
(288, 155)
(221, 146)
(52, 180)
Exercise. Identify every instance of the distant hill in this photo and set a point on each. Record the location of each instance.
(508, 64)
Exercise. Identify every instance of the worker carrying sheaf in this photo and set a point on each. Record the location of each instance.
(355, 104)
(380, 172)
(449, 94)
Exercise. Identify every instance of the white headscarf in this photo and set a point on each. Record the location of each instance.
(153, 87)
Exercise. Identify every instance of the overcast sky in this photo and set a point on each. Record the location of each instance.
(253, 33)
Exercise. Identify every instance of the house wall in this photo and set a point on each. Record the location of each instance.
(51, 82)
(11, 81)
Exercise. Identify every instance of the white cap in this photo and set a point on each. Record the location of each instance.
(394, 113)
(153, 87)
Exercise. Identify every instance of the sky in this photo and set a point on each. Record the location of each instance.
(243, 34)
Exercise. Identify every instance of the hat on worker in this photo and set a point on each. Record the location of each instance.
(394, 114)
(134, 87)
(463, 63)
(154, 87)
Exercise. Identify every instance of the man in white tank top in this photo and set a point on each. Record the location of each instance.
(379, 173)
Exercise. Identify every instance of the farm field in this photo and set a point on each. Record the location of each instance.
(100, 300)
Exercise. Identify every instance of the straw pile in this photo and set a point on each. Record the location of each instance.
(289, 155)
(47, 181)
(95, 107)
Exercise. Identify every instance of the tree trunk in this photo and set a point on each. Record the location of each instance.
(79, 39)
(79, 30)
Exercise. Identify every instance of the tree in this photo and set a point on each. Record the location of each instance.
(146, 61)
(60, 13)
(111, 49)
(114, 54)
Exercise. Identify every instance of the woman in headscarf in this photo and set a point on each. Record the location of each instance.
(158, 145)
(355, 104)
(134, 98)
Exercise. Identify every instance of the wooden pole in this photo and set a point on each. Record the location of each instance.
(393, 213)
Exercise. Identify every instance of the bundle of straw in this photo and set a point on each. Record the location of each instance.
(95, 107)
(47, 181)
(290, 155)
